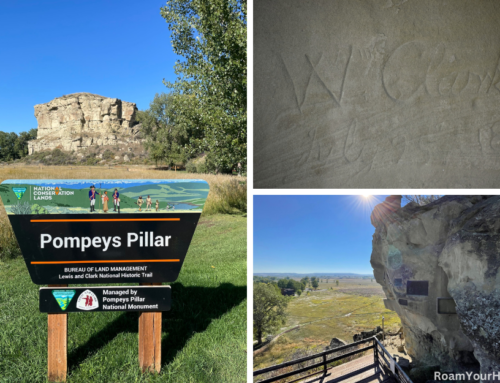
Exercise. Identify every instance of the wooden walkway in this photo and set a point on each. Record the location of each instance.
(370, 375)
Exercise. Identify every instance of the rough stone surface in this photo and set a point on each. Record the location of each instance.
(453, 244)
(368, 334)
(376, 93)
(80, 120)
(336, 342)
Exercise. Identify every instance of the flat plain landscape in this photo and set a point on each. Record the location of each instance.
(331, 311)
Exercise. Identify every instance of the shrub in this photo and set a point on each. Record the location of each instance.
(21, 208)
(227, 197)
(108, 155)
(91, 161)
(191, 166)
(202, 167)
(54, 157)
(37, 209)
(9, 247)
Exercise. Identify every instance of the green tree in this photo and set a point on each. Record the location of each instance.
(315, 283)
(305, 281)
(282, 283)
(21, 144)
(166, 138)
(299, 292)
(337, 282)
(13, 146)
(269, 309)
(212, 78)
(7, 142)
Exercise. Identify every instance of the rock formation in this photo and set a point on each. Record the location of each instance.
(336, 342)
(80, 120)
(439, 267)
(376, 94)
(368, 334)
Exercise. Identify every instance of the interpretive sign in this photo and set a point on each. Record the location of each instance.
(446, 306)
(417, 288)
(104, 231)
(57, 300)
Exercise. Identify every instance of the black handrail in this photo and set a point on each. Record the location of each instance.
(306, 358)
(398, 373)
(323, 363)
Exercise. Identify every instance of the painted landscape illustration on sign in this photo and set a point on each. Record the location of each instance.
(103, 196)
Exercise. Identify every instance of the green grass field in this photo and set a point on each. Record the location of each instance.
(203, 336)
(353, 306)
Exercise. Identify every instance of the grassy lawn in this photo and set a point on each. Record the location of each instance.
(353, 306)
(203, 337)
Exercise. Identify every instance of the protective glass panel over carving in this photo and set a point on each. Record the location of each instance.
(394, 258)
(446, 306)
(417, 288)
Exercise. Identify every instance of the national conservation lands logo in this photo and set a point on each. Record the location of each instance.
(63, 297)
(19, 192)
(87, 301)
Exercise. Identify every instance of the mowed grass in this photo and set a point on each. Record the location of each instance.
(353, 306)
(203, 336)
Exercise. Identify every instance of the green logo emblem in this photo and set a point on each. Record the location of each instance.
(19, 192)
(63, 297)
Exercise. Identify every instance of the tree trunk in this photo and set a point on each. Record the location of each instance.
(259, 337)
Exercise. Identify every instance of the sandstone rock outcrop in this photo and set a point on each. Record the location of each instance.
(376, 94)
(77, 121)
(368, 334)
(439, 267)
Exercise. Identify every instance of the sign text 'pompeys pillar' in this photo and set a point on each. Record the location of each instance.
(104, 231)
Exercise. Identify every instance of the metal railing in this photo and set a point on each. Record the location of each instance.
(319, 363)
(386, 361)
(309, 363)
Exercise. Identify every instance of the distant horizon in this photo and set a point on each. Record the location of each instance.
(314, 273)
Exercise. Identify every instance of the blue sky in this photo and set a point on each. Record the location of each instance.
(55, 47)
(313, 234)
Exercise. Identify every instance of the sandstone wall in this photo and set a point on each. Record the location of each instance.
(376, 93)
(439, 267)
(79, 120)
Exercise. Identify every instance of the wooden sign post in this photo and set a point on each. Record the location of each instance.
(140, 234)
(57, 345)
(150, 340)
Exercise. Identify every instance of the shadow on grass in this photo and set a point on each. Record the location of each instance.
(193, 309)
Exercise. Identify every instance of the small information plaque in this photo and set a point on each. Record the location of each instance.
(57, 300)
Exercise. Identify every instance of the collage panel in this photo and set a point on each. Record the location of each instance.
(376, 94)
(123, 191)
(376, 288)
